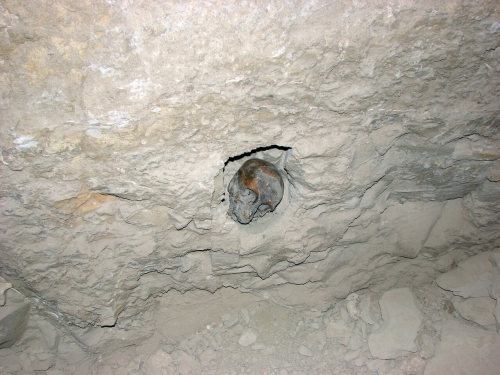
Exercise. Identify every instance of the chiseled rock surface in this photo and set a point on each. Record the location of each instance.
(122, 123)
(401, 321)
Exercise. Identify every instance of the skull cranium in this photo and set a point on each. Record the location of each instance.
(255, 189)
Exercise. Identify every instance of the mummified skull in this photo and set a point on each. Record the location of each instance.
(256, 189)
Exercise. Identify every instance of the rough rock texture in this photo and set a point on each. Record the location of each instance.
(466, 350)
(402, 320)
(117, 120)
(477, 276)
(4, 286)
(13, 319)
(476, 279)
(479, 310)
(123, 122)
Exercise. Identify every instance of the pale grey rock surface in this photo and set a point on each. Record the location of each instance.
(4, 286)
(478, 279)
(305, 351)
(466, 350)
(477, 276)
(401, 322)
(13, 318)
(247, 338)
(480, 310)
(121, 124)
(113, 182)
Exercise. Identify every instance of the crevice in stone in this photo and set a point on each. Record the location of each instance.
(254, 151)
(121, 196)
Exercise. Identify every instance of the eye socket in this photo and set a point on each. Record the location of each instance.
(248, 196)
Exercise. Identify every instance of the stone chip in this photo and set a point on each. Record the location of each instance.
(401, 322)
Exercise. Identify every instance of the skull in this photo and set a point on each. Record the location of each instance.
(256, 189)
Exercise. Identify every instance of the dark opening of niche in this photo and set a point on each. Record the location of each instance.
(255, 151)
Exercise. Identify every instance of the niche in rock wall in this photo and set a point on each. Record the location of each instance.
(268, 192)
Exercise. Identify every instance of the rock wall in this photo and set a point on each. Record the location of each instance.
(123, 122)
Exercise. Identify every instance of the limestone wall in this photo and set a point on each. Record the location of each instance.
(122, 123)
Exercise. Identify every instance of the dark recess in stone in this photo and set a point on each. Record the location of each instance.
(255, 150)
